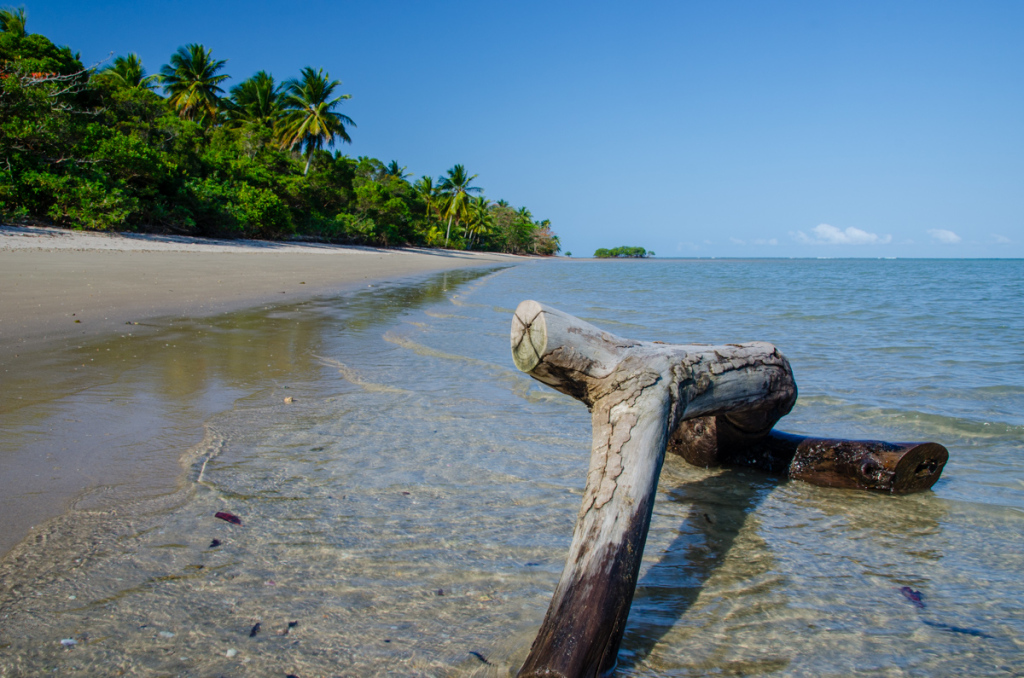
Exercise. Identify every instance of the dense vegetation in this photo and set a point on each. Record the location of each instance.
(637, 252)
(102, 149)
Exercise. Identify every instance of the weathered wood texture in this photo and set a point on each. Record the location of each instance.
(896, 468)
(637, 393)
(713, 405)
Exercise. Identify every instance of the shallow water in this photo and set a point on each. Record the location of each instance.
(410, 509)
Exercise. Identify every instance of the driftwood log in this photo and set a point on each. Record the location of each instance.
(895, 468)
(639, 393)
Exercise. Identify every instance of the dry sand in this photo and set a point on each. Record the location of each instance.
(57, 284)
(69, 430)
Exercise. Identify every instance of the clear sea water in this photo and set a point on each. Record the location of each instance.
(411, 507)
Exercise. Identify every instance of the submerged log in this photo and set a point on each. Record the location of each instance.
(637, 393)
(895, 468)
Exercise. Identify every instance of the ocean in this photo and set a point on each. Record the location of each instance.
(406, 496)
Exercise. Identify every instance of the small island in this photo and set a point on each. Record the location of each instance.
(624, 251)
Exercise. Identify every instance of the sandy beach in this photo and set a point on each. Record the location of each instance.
(119, 297)
(57, 284)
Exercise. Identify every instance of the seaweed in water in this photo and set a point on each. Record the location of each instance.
(255, 630)
(480, 657)
(912, 595)
(957, 629)
(230, 517)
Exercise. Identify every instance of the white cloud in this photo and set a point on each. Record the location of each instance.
(826, 234)
(944, 236)
(762, 241)
(737, 241)
(1001, 239)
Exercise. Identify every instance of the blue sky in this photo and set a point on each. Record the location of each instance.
(869, 129)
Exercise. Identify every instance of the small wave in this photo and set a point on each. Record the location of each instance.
(351, 376)
(618, 323)
(456, 299)
(1004, 389)
(515, 381)
(420, 349)
(922, 423)
(435, 314)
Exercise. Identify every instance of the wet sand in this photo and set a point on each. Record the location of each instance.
(63, 285)
(104, 341)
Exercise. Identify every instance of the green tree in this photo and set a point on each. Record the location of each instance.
(12, 20)
(256, 100)
(429, 194)
(103, 150)
(521, 235)
(192, 83)
(544, 239)
(455, 190)
(311, 120)
(480, 220)
(623, 251)
(393, 170)
(128, 72)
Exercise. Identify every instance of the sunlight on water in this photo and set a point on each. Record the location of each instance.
(408, 511)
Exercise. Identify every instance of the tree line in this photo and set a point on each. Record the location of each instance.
(119, 148)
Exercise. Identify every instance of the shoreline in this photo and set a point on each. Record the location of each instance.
(58, 285)
(85, 409)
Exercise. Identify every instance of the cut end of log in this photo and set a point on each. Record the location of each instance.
(529, 335)
(919, 468)
(895, 468)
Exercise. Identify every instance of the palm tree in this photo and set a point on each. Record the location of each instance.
(311, 119)
(522, 230)
(192, 82)
(456, 189)
(128, 72)
(257, 100)
(13, 21)
(480, 218)
(393, 170)
(428, 193)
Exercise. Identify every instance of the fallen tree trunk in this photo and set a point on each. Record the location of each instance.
(895, 468)
(637, 393)
(711, 404)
